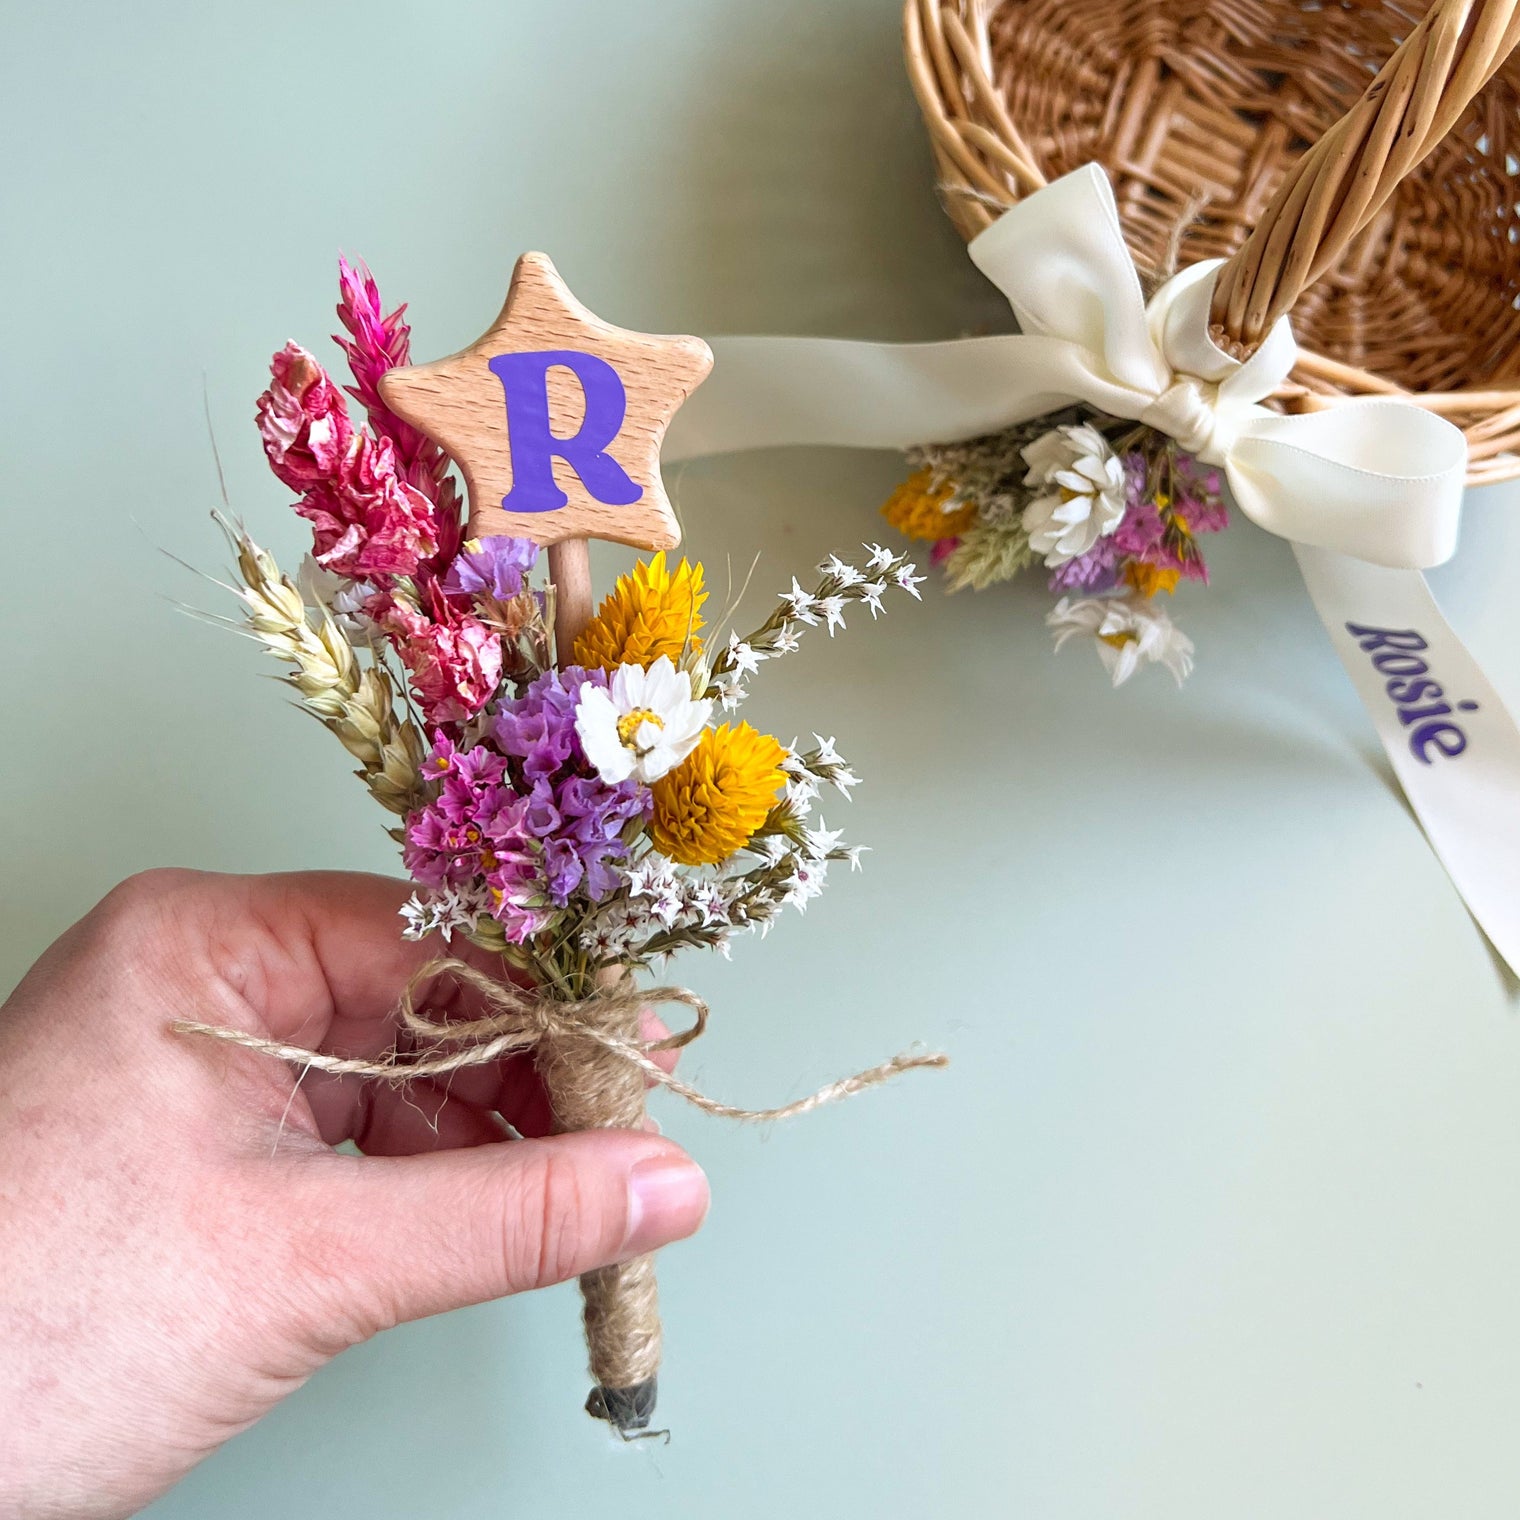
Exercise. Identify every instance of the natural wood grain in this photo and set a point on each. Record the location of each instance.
(570, 572)
(459, 403)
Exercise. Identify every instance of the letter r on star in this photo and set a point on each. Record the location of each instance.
(555, 417)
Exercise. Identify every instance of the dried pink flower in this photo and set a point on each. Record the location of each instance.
(377, 343)
(453, 658)
(303, 420)
(367, 521)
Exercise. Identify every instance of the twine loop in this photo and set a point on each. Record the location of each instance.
(520, 1020)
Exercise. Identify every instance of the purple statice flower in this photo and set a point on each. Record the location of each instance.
(1200, 496)
(537, 729)
(1165, 535)
(1093, 572)
(491, 567)
(585, 817)
(524, 814)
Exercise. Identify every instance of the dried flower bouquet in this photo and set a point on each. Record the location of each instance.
(579, 813)
(1112, 510)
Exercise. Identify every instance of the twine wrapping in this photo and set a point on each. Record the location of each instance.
(594, 1067)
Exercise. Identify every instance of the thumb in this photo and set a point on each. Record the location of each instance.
(388, 1239)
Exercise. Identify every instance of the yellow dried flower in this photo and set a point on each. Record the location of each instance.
(1149, 579)
(916, 510)
(649, 612)
(711, 804)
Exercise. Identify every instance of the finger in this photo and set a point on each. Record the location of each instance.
(319, 956)
(484, 1222)
(386, 1120)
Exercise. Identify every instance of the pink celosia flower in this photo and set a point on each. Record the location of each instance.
(377, 343)
(453, 658)
(303, 420)
(366, 520)
(943, 549)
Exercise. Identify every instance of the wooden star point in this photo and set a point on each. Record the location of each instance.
(555, 417)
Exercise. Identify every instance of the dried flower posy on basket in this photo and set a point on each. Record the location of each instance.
(580, 801)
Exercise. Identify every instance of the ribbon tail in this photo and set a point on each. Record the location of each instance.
(1453, 746)
(773, 392)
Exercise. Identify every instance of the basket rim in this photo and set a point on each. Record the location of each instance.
(983, 165)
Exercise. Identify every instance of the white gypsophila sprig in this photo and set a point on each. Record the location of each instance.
(446, 910)
(840, 585)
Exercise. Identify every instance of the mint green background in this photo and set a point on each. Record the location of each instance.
(1214, 1214)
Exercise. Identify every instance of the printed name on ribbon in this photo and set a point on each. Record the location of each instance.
(1395, 653)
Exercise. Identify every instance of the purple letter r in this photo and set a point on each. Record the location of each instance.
(525, 380)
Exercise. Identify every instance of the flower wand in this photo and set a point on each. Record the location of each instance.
(568, 802)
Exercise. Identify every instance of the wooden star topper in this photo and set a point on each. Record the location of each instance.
(555, 417)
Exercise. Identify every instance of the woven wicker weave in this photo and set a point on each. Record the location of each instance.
(1356, 161)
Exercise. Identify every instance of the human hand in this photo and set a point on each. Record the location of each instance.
(182, 1248)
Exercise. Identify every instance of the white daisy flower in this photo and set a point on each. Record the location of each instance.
(1082, 492)
(1127, 633)
(643, 724)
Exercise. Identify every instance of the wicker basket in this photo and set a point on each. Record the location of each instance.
(1356, 162)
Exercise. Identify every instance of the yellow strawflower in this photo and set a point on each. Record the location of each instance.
(649, 612)
(917, 511)
(1149, 579)
(711, 804)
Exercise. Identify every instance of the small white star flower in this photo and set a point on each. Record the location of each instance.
(832, 608)
(842, 780)
(819, 841)
(904, 578)
(880, 559)
(803, 604)
(787, 641)
(842, 571)
(827, 754)
(743, 657)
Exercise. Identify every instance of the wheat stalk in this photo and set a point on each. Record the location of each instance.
(355, 704)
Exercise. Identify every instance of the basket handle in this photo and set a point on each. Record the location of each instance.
(1341, 183)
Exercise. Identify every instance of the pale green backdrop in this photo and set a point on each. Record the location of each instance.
(1214, 1215)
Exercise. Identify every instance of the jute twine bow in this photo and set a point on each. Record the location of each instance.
(594, 1065)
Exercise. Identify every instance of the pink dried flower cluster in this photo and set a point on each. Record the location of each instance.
(377, 343)
(453, 658)
(384, 510)
(367, 520)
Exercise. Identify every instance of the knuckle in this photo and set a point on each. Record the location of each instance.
(139, 901)
(549, 1228)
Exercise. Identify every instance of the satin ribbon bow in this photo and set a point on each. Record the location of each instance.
(1368, 491)
(1377, 479)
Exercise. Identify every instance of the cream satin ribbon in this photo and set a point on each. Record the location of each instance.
(1369, 492)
